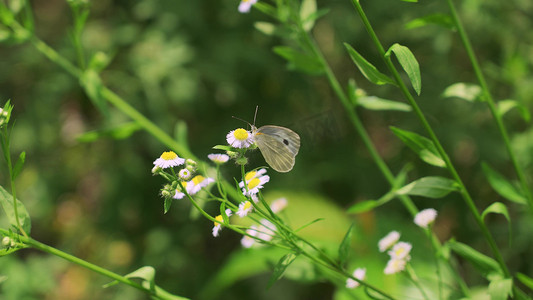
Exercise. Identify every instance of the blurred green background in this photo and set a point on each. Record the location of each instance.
(202, 62)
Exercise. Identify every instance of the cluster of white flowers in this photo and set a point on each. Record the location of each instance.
(399, 255)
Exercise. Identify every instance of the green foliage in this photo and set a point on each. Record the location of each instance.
(422, 146)
(430, 187)
(409, 64)
(367, 69)
(7, 204)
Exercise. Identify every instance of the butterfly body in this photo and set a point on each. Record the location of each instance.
(279, 146)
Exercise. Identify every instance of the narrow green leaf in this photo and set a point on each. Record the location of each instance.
(223, 147)
(431, 187)
(309, 224)
(506, 105)
(422, 146)
(496, 208)
(299, 61)
(409, 64)
(481, 262)
(367, 69)
(413, 1)
(7, 203)
(466, 91)
(168, 203)
(345, 247)
(376, 103)
(93, 86)
(18, 165)
(368, 205)
(265, 27)
(435, 19)
(501, 289)
(374, 295)
(146, 273)
(119, 132)
(526, 280)
(307, 9)
(502, 186)
(280, 268)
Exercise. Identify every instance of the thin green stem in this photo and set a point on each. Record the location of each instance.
(491, 104)
(412, 276)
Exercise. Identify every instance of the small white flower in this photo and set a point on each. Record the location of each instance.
(178, 195)
(266, 230)
(394, 266)
(401, 251)
(218, 226)
(388, 241)
(246, 5)
(185, 174)
(248, 241)
(244, 208)
(254, 182)
(197, 183)
(169, 159)
(359, 273)
(425, 217)
(278, 205)
(239, 138)
(218, 158)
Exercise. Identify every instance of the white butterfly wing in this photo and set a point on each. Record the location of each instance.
(279, 146)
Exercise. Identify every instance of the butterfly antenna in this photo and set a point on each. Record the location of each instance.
(242, 120)
(255, 115)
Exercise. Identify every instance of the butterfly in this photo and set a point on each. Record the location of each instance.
(279, 146)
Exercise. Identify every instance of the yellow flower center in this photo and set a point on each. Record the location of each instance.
(400, 251)
(250, 175)
(240, 134)
(169, 155)
(253, 183)
(247, 205)
(197, 179)
(218, 218)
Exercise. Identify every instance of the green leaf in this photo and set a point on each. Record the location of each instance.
(181, 133)
(413, 1)
(496, 208)
(119, 132)
(430, 187)
(223, 147)
(376, 103)
(466, 91)
(309, 224)
(99, 61)
(299, 61)
(481, 262)
(93, 86)
(368, 205)
(146, 273)
(307, 9)
(265, 27)
(345, 247)
(506, 105)
(526, 280)
(168, 203)
(435, 19)
(18, 165)
(501, 289)
(7, 203)
(409, 64)
(280, 268)
(367, 69)
(422, 146)
(502, 186)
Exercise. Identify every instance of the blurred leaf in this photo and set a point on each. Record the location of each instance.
(307, 10)
(466, 91)
(422, 146)
(99, 61)
(223, 147)
(181, 133)
(435, 19)
(501, 289)
(18, 165)
(280, 268)
(526, 280)
(309, 224)
(368, 205)
(376, 103)
(409, 64)
(431, 187)
(7, 203)
(374, 295)
(91, 82)
(413, 1)
(345, 247)
(146, 273)
(367, 69)
(167, 204)
(506, 105)
(120, 132)
(265, 27)
(481, 262)
(299, 61)
(6, 16)
(496, 208)
(502, 186)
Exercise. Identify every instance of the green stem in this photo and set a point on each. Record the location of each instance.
(490, 102)
(405, 91)
(158, 293)
(412, 276)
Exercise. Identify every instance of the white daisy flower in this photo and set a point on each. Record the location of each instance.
(425, 217)
(251, 175)
(248, 241)
(394, 266)
(388, 241)
(401, 251)
(218, 226)
(254, 182)
(178, 195)
(239, 138)
(185, 174)
(359, 273)
(218, 158)
(197, 183)
(266, 230)
(246, 5)
(244, 208)
(168, 159)
(278, 205)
